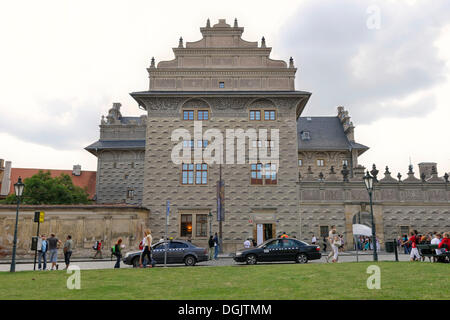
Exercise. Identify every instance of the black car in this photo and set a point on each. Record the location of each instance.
(281, 249)
(178, 251)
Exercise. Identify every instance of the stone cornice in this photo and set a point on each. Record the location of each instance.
(222, 51)
(216, 72)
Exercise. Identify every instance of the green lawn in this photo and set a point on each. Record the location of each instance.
(399, 280)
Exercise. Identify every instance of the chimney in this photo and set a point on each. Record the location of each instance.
(427, 168)
(76, 170)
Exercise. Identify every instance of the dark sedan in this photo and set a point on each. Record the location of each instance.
(282, 249)
(178, 251)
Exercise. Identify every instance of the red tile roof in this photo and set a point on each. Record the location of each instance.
(87, 179)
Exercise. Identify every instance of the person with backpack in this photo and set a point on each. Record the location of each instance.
(42, 252)
(211, 247)
(68, 247)
(117, 252)
(147, 248)
(98, 249)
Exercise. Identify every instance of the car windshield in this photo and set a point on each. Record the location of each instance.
(265, 243)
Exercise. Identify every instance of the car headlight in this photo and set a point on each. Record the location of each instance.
(238, 253)
(127, 254)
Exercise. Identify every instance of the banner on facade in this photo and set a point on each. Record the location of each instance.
(220, 200)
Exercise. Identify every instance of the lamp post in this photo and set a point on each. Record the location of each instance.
(18, 188)
(368, 181)
(210, 223)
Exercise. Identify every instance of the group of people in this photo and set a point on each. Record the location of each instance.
(409, 244)
(213, 244)
(51, 245)
(365, 243)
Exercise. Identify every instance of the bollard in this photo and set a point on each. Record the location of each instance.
(395, 250)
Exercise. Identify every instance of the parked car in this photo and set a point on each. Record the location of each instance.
(285, 249)
(178, 251)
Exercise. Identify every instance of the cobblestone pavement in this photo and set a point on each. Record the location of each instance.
(223, 261)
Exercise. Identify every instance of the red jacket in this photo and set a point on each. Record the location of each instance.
(444, 241)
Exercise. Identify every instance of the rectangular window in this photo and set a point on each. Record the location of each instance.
(221, 85)
(201, 173)
(404, 230)
(270, 173)
(323, 231)
(201, 225)
(203, 115)
(188, 143)
(130, 194)
(186, 225)
(269, 115)
(202, 143)
(320, 162)
(188, 115)
(256, 174)
(300, 162)
(255, 115)
(187, 173)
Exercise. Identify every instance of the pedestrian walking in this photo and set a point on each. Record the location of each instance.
(414, 252)
(53, 244)
(68, 247)
(330, 241)
(118, 252)
(247, 243)
(284, 235)
(98, 249)
(216, 246)
(211, 248)
(314, 239)
(42, 252)
(335, 243)
(324, 244)
(147, 248)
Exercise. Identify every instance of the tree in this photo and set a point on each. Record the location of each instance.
(43, 189)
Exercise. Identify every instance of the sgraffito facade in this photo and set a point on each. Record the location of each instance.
(227, 83)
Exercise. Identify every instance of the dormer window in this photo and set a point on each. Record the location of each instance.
(221, 85)
(305, 135)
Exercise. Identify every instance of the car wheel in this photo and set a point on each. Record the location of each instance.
(301, 258)
(190, 261)
(251, 259)
(136, 262)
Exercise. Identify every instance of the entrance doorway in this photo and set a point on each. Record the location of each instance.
(267, 231)
(263, 232)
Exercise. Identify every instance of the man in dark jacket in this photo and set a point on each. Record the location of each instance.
(211, 247)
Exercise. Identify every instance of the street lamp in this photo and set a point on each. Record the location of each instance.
(368, 181)
(210, 221)
(18, 188)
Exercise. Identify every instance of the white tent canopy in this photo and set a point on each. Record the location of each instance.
(362, 230)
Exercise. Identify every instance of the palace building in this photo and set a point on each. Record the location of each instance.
(228, 83)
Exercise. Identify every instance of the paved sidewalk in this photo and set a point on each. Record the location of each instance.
(224, 260)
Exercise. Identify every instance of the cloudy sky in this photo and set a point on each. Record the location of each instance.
(63, 63)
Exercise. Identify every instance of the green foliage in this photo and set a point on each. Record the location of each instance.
(43, 189)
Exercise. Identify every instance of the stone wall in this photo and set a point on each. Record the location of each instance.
(424, 206)
(85, 224)
(119, 171)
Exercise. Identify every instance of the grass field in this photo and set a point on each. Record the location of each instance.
(399, 280)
